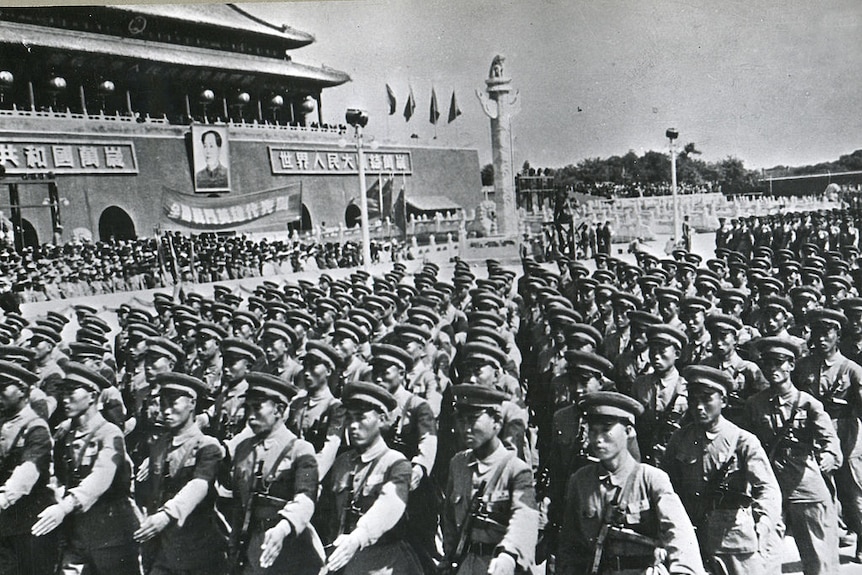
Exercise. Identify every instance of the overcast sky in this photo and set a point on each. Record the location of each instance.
(769, 81)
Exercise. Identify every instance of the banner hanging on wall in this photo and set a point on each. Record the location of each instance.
(265, 208)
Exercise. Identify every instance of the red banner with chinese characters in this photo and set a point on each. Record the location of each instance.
(260, 209)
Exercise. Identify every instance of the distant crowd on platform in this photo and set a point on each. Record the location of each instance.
(643, 190)
(81, 268)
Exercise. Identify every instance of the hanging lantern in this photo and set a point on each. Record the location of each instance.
(6, 80)
(57, 83)
(307, 105)
(277, 101)
(106, 88)
(243, 98)
(207, 97)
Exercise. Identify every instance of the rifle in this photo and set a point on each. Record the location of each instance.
(237, 556)
(451, 562)
(612, 519)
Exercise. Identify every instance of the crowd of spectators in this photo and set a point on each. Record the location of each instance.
(81, 268)
(642, 190)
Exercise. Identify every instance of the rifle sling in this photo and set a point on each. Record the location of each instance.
(781, 435)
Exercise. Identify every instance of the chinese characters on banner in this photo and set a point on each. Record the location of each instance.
(70, 157)
(285, 160)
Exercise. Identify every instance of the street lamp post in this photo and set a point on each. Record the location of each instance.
(672, 134)
(358, 119)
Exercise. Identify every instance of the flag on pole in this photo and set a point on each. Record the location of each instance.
(454, 110)
(435, 113)
(410, 107)
(390, 95)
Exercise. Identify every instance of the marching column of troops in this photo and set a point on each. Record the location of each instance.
(674, 416)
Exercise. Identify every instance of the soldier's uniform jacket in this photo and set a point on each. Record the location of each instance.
(617, 342)
(726, 524)
(422, 382)
(629, 366)
(355, 370)
(812, 437)
(567, 455)
(25, 459)
(837, 383)
(91, 463)
(665, 401)
(319, 420)
(280, 473)
(507, 518)
(287, 369)
(366, 494)
(697, 350)
(209, 373)
(414, 430)
(651, 508)
(228, 415)
(50, 373)
(183, 470)
(747, 380)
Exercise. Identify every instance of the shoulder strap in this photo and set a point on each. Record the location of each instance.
(287, 449)
(25, 427)
(498, 472)
(79, 457)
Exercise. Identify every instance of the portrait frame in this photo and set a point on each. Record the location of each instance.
(210, 159)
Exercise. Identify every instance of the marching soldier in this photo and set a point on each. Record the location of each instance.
(25, 460)
(635, 361)
(490, 522)
(622, 516)
(723, 478)
(661, 393)
(837, 382)
(364, 499)
(274, 477)
(226, 418)
(91, 465)
(693, 311)
(317, 416)
(180, 534)
(803, 448)
(208, 360)
(277, 339)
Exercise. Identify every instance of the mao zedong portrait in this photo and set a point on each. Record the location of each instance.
(214, 174)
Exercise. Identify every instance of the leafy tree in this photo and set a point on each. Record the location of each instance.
(488, 175)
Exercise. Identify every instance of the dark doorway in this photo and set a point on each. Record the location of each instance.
(31, 238)
(352, 216)
(115, 224)
(304, 224)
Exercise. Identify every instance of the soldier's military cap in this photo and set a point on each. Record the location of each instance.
(760, 264)
(346, 329)
(666, 334)
(643, 318)
(162, 301)
(162, 346)
(209, 330)
(82, 350)
(804, 292)
(604, 277)
(836, 283)
(194, 297)
(16, 374)
(684, 266)
(362, 275)
(722, 323)
(318, 351)
(431, 266)
(270, 386)
(423, 314)
(709, 377)
(181, 384)
(693, 259)
(365, 317)
(785, 254)
(16, 320)
(716, 264)
(375, 302)
(236, 348)
(777, 346)
(777, 302)
(57, 317)
(407, 332)
(649, 281)
(561, 317)
(241, 317)
(482, 352)
(578, 270)
(80, 376)
(391, 354)
(847, 304)
(139, 315)
(695, 304)
(40, 333)
(832, 317)
(815, 262)
(362, 395)
(722, 253)
(470, 397)
(809, 273)
(273, 329)
(222, 290)
(182, 308)
(221, 309)
(138, 331)
(463, 279)
(50, 323)
(668, 294)
(577, 360)
(610, 404)
(400, 266)
(232, 300)
(626, 300)
(488, 297)
(17, 354)
(770, 284)
(678, 253)
(789, 266)
(485, 318)
(487, 335)
(381, 285)
(84, 309)
(587, 284)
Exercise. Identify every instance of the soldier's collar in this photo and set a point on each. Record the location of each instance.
(190, 433)
(373, 451)
(483, 465)
(617, 478)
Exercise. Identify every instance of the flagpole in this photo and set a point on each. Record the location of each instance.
(404, 202)
(380, 196)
